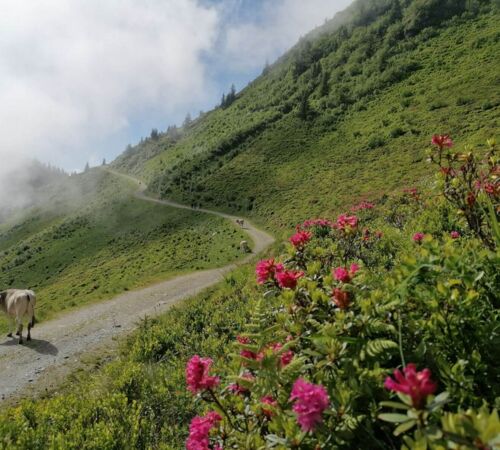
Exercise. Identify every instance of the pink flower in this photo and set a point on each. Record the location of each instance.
(346, 222)
(197, 377)
(267, 269)
(418, 237)
(442, 140)
(268, 400)
(199, 431)
(236, 389)
(491, 189)
(455, 234)
(300, 239)
(344, 275)
(322, 223)
(418, 385)
(243, 340)
(248, 354)
(310, 400)
(341, 298)
(286, 358)
(471, 199)
(341, 274)
(363, 205)
(288, 278)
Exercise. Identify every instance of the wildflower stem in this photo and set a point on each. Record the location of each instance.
(400, 339)
(224, 411)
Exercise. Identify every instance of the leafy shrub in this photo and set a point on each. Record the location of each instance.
(375, 142)
(397, 132)
(309, 370)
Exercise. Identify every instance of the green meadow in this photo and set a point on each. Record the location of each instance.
(108, 242)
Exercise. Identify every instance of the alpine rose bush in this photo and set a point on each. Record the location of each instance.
(350, 332)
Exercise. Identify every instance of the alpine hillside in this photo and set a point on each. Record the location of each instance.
(345, 115)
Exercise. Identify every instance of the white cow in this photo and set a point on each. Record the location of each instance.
(17, 304)
(244, 248)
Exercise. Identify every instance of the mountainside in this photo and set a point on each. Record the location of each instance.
(345, 115)
(376, 329)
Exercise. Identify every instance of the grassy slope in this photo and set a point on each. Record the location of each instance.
(288, 169)
(109, 243)
(302, 169)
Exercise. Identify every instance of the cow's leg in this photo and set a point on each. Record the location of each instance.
(29, 331)
(12, 324)
(18, 332)
(20, 329)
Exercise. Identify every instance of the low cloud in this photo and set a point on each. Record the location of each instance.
(75, 72)
(79, 78)
(248, 45)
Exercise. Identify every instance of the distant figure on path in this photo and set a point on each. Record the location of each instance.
(244, 248)
(240, 222)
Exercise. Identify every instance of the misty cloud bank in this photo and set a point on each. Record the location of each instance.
(78, 76)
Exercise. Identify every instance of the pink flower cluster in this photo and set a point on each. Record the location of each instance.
(249, 354)
(310, 400)
(418, 237)
(268, 400)
(413, 193)
(300, 239)
(288, 278)
(418, 385)
(267, 269)
(362, 206)
(311, 223)
(344, 275)
(286, 357)
(442, 141)
(341, 298)
(197, 377)
(345, 222)
(492, 189)
(199, 431)
(455, 235)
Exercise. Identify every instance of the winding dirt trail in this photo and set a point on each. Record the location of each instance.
(62, 345)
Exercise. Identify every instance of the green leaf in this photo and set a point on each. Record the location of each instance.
(442, 398)
(405, 427)
(395, 405)
(379, 346)
(393, 417)
(406, 399)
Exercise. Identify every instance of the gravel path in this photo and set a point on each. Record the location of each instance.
(60, 346)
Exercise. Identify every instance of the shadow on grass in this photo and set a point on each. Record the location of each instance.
(38, 345)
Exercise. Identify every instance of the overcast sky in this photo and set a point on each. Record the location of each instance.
(80, 79)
